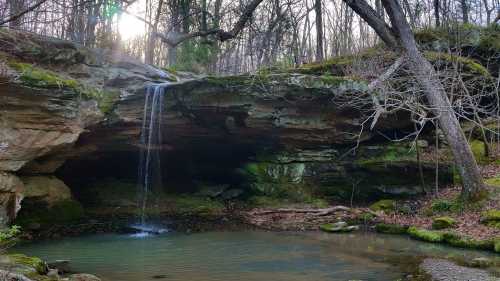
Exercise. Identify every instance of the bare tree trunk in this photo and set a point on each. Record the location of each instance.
(426, 76)
(436, 12)
(370, 16)
(437, 98)
(465, 11)
(175, 26)
(150, 47)
(319, 30)
(15, 8)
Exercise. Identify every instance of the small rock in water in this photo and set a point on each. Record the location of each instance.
(53, 273)
(159, 276)
(61, 265)
(338, 227)
(83, 277)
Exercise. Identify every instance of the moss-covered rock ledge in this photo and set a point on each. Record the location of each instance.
(446, 237)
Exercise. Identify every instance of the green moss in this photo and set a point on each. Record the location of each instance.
(339, 65)
(493, 181)
(496, 245)
(383, 205)
(105, 99)
(491, 218)
(391, 228)
(457, 240)
(441, 205)
(387, 153)
(457, 205)
(331, 66)
(34, 76)
(38, 77)
(193, 205)
(425, 235)
(483, 39)
(443, 222)
(277, 202)
(478, 149)
(36, 263)
(467, 64)
(61, 212)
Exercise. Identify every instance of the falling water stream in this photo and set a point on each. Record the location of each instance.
(149, 170)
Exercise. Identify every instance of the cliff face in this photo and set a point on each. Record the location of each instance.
(61, 102)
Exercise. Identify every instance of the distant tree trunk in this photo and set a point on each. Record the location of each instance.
(436, 12)
(175, 26)
(150, 47)
(379, 9)
(15, 8)
(319, 30)
(465, 11)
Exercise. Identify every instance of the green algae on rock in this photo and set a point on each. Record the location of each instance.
(385, 205)
(391, 228)
(425, 235)
(491, 218)
(443, 222)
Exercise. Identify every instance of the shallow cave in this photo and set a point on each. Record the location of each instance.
(181, 171)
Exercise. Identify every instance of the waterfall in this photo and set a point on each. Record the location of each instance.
(149, 170)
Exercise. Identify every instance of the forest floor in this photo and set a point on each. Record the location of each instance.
(467, 216)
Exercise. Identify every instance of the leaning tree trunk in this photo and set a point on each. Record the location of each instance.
(398, 36)
(441, 106)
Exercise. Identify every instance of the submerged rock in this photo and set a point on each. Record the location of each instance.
(82, 277)
(338, 227)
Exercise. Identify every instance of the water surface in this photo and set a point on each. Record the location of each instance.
(243, 256)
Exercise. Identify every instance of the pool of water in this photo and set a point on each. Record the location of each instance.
(243, 256)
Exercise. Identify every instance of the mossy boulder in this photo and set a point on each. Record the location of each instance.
(443, 223)
(460, 241)
(491, 218)
(36, 263)
(425, 235)
(391, 228)
(385, 205)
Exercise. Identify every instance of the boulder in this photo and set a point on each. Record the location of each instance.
(11, 195)
(48, 189)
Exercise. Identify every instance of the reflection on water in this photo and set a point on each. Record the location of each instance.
(242, 256)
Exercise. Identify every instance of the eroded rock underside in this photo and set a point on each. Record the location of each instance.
(70, 121)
